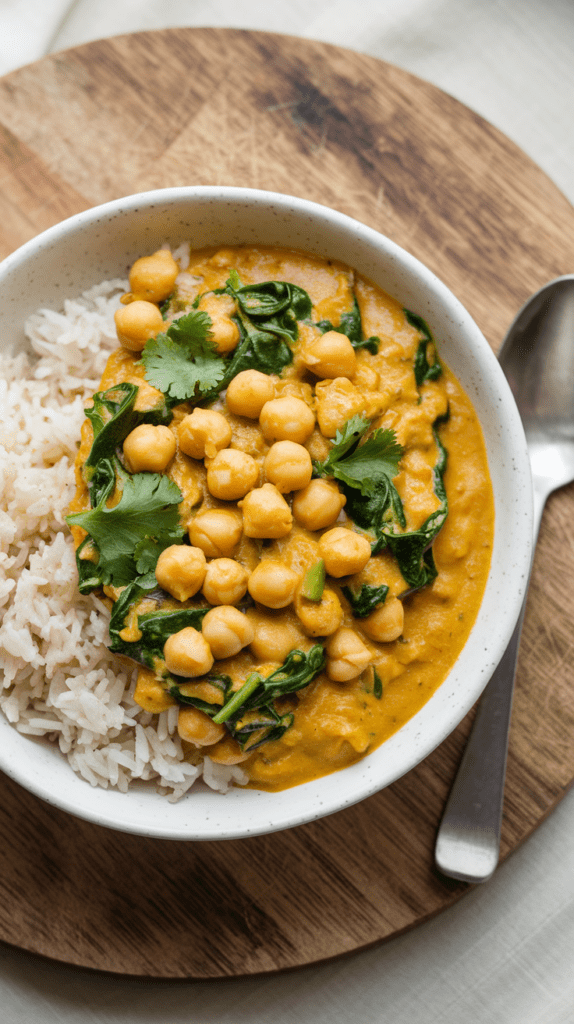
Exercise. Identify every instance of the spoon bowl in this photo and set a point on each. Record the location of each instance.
(537, 357)
(538, 360)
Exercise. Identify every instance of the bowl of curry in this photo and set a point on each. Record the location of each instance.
(301, 493)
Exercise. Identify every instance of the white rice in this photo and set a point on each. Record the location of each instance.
(60, 681)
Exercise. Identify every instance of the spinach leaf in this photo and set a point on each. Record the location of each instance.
(249, 714)
(424, 369)
(377, 684)
(270, 298)
(350, 324)
(366, 600)
(382, 513)
(260, 726)
(374, 512)
(155, 626)
(297, 671)
(413, 549)
(113, 417)
(222, 683)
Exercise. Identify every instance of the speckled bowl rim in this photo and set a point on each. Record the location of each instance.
(47, 269)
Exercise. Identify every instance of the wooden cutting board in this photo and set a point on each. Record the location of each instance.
(239, 108)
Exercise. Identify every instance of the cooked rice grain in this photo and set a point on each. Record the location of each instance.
(60, 681)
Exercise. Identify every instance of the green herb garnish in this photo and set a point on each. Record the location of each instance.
(377, 684)
(368, 466)
(183, 363)
(146, 512)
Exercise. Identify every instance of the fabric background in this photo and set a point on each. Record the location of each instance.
(504, 953)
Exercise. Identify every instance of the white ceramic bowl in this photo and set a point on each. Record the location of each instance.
(102, 243)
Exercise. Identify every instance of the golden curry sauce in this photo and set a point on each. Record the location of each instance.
(334, 721)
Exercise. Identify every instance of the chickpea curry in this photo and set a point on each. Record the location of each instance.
(284, 495)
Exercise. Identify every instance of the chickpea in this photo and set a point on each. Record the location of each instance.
(331, 355)
(149, 448)
(265, 513)
(187, 653)
(273, 584)
(232, 474)
(153, 277)
(136, 323)
(225, 581)
(248, 393)
(344, 551)
(228, 751)
(319, 618)
(275, 636)
(181, 571)
(287, 419)
(216, 531)
(318, 505)
(194, 726)
(203, 433)
(227, 631)
(224, 332)
(386, 623)
(347, 655)
(288, 465)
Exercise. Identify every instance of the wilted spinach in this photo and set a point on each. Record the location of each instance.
(351, 325)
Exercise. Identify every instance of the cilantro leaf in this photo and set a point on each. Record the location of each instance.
(183, 362)
(147, 511)
(367, 466)
(374, 462)
(345, 438)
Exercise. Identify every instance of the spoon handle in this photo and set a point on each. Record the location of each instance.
(468, 838)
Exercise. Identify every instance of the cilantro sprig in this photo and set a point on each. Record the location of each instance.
(183, 362)
(128, 537)
(368, 466)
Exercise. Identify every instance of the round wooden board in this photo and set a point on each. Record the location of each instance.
(237, 108)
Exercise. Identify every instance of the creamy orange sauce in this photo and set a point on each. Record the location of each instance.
(337, 723)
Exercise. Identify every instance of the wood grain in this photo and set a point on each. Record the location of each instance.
(236, 108)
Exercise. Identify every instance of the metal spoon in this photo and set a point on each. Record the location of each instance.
(538, 359)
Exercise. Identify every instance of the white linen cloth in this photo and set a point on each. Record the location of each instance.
(504, 954)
